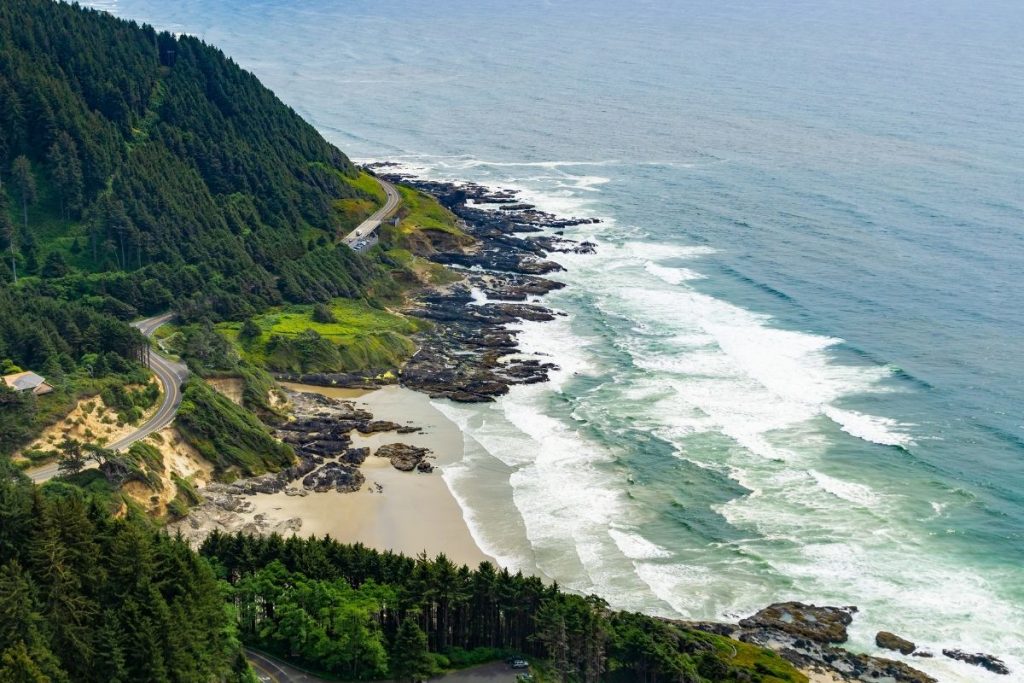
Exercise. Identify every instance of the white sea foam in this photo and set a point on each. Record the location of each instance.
(847, 490)
(881, 430)
(636, 547)
(704, 368)
(672, 276)
(479, 298)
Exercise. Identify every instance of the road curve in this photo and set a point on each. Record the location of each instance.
(271, 670)
(368, 228)
(170, 374)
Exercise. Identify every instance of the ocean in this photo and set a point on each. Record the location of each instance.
(794, 369)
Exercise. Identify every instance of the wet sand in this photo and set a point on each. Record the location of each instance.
(415, 512)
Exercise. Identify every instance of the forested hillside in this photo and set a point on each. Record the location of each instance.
(142, 172)
(123, 149)
(84, 597)
(361, 615)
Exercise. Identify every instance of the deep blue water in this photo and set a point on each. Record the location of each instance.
(794, 369)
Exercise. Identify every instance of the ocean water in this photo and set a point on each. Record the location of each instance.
(793, 369)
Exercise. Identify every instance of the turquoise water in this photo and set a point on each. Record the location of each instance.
(793, 370)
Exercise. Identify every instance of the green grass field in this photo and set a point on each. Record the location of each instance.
(422, 212)
(366, 337)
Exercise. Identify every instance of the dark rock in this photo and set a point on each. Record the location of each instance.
(989, 662)
(333, 475)
(402, 456)
(409, 430)
(891, 641)
(819, 624)
(425, 466)
(326, 447)
(355, 456)
(378, 426)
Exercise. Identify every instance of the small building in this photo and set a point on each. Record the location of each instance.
(28, 381)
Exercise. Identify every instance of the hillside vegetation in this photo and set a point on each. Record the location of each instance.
(152, 168)
(88, 598)
(142, 172)
(360, 614)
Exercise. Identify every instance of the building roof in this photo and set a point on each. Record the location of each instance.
(23, 381)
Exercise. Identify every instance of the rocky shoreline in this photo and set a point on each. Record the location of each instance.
(808, 636)
(468, 356)
(320, 433)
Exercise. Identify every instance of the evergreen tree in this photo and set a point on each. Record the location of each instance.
(55, 265)
(410, 659)
(8, 234)
(66, 170)
(24, 185)
(322, 314)
(249, 331)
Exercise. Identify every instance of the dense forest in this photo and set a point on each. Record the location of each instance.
(361, 614)
(86, 597)
(122, 149)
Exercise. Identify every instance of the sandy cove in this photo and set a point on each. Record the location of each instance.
(412, 512)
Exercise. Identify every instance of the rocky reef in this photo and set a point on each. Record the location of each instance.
(891, 641)
(989, 662)
(808, 635)
(468, 355)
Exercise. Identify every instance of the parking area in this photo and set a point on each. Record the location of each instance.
(495, 672)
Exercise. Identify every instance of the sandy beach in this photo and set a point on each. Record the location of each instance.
(415, 512)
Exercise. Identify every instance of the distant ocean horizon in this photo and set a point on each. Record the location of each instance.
(793, 369)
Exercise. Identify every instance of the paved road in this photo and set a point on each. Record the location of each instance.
(365, 235)
(170, 374)
(273, 670)
(494, 672)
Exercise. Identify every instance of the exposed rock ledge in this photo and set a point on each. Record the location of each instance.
(805, 635)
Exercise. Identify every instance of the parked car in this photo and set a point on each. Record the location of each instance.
(519, 664)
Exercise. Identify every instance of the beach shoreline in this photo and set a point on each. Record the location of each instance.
(411, 513)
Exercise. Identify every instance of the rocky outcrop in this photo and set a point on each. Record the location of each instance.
(336, 476)
(355, 456)
(806, 635)
(402, 456)
(375, 426)
(891, 641)
(993, 664)
(818, 624)
(224, 509)
(466, 356)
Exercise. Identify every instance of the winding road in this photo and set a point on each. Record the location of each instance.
(365, 234)
(171, 375)
(272, 670)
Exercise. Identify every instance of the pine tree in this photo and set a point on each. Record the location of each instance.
(110, 646)
(24, 184)
(8, 235)
(55, 265)
(66, 170)
(410, 659)
(17, 665)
